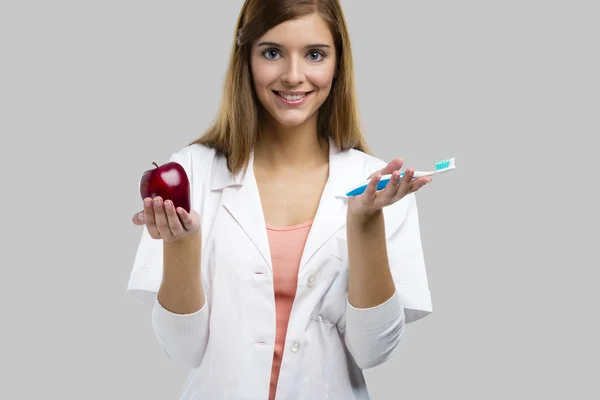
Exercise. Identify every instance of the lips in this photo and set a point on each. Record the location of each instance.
(292, 99)
(292, 96)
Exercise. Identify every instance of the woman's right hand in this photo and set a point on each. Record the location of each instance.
(165, 222)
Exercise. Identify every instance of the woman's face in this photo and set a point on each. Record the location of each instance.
(293, 66)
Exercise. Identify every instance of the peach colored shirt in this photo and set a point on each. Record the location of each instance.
(286, 244)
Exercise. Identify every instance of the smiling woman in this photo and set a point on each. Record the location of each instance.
(277, 285)
(290, 48)
(293, 66)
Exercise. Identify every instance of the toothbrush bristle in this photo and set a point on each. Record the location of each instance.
(444, 164)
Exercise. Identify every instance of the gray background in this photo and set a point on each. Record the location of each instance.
(92, 92)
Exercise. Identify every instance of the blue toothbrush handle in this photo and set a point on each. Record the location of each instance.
(440, 167)
(381, 185)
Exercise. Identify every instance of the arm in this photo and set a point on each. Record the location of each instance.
(375, 317)
(370, 279)
(166, 274)
(180, 314)
(387, 281)
(181, 290)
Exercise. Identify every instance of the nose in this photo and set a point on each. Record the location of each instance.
(293, 74)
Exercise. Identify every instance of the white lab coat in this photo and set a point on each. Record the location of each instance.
(229, 343)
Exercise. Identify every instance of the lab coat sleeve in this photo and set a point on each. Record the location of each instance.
(373, 334)
(182, 337)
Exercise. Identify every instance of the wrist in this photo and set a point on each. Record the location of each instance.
(190, 238)
(181, 258)
(363, 218)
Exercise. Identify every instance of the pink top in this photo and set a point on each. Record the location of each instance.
(287, 245)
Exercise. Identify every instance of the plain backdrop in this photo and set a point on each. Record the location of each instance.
(92, 92)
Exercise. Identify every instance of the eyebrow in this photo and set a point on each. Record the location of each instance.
(312, 46)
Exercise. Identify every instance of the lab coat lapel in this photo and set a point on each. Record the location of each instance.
(242, 200)
(331, 213)
(330, 217)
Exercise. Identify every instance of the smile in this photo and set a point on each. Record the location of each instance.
(292, 98)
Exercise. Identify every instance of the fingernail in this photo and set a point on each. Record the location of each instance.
(157, 202)
(141, 216)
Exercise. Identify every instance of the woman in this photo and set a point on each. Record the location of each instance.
(276, 284)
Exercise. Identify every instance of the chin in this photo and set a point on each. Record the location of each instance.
(291, 121)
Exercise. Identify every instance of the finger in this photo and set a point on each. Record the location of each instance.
(150, 219)
(392, 166)
(186, 219)
(138, 218)
(392, 186)
(405, 183)
(395, 164)
(371, 190)
(419, 183)
(173, 220)
(161, 219)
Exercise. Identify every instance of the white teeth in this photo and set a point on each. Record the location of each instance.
(290, 97)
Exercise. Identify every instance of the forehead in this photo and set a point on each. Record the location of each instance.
(300, 32)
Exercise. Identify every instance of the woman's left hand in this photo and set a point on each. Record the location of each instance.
(371, 200)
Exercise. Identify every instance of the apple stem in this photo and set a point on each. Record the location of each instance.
(154, 164)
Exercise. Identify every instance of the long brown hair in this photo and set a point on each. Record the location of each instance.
(236, 128)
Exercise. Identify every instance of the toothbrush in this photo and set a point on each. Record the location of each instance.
(440, 168)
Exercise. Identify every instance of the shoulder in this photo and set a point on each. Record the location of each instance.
(196, 159)
(196, 154)
(362, 162)
(352, 167)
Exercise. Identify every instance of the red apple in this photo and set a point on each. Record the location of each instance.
(168, 181)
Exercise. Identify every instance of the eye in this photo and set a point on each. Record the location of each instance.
(270, 54)
(316, 55)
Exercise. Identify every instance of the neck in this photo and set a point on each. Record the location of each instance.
(284, 148)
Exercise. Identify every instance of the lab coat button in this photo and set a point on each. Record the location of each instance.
(295, 346)
(311, 280)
